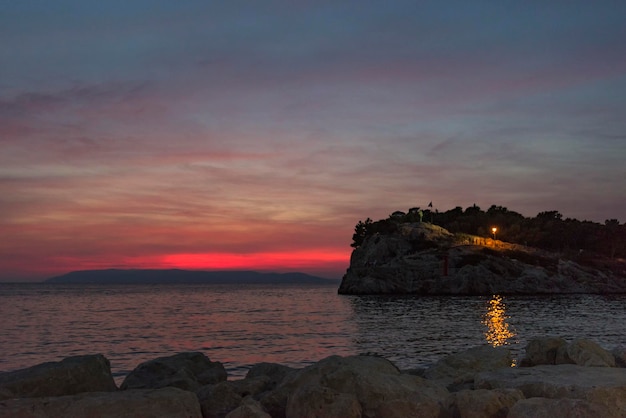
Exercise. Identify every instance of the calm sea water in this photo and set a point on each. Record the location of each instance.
(240, 325)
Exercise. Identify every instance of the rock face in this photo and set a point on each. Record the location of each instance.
(73, 375)
(421, 258)
(186, 371)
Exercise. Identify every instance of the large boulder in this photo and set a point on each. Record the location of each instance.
(249, 408)
(599, 385)
(587, 353)
(375, 382)
(90, 373)
(274, 371)
(564, 407)
(188, 371)
(216, 401)
(554, 350)
(457, 371)
(543, 350)
(313, 401)
(619, 354)
(483, 403)
(160, 403)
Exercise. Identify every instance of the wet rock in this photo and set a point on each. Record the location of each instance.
(599, 385)
(159, 403)
(188, 371)
(550, 408)
(457, 371)
(90, 373)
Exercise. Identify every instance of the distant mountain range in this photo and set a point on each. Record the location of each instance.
(176, 276)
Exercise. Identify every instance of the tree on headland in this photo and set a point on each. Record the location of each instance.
(548, 230)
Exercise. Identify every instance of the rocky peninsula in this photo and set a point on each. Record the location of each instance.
(424, 259)
(555, 378)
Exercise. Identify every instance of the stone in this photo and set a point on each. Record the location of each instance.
(542, 351)
(158, 403)
(374, 381)
(619, 354)
(483, 403)
(250, 408)
(276, 372)
(216, 401)
(314, 401)
(457, 371)
(599, 385)
(90, 373)
(564, 407)
(188, 371)
(252, 385)
(587, 353)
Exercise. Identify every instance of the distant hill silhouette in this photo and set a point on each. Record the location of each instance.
(176, 276)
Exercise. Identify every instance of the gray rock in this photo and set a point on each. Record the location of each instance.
(543, 351)
(483, 403)
(619, 354)
(187, 371)
(457, 371)
(276, 372)
(91, 373)
(587, 353)
(217, 401)
(599, 385)
(375, 382)
(250, 408)
(160, 403)
(322, 402)
(551, 408)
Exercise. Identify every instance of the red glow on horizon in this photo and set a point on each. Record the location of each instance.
(319, 259)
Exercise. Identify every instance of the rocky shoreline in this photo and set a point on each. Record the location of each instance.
(424, 259)
(554, 378)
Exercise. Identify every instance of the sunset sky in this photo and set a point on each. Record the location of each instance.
(255, 134)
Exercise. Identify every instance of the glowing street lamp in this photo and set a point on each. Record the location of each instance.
(494, 229)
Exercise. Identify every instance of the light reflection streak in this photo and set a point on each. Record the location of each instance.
(498, 330)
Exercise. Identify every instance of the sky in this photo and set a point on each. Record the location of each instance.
(255, 135)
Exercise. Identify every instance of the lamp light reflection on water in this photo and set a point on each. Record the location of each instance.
(498, 331)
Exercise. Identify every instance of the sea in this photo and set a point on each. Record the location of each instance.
(295, 325)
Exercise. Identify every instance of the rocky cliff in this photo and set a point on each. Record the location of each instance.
(421, 258)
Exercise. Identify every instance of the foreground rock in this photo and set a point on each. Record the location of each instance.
(602, 386)
(457, 371)
(421, 258)
(91, 373)
(554, 350)
(479, 382)
(165, 403)
(354, 386)
(187, 371)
